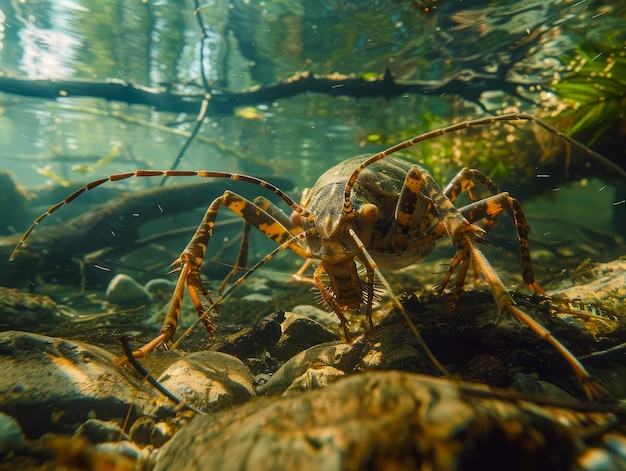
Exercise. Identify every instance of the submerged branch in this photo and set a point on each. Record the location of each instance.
(114, 225)
(466, 84)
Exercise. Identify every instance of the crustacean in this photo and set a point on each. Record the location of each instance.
(379, 211)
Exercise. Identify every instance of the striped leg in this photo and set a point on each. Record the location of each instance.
(465, 182)
(491, 206)
(193, 255)
(465, 236)
(486, 210)
(242, 258)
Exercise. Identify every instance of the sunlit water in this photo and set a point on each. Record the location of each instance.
(249, 43)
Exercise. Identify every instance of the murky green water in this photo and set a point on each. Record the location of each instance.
(292, 88)
(158, 44)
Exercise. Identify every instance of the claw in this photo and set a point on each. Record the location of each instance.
(506, 305)
(534, 287)
(594, 391)
(178, 261)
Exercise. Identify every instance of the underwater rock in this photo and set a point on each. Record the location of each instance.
(300, 333)
(141, 431)
(314, 378)
(262, 365)
(257, 298)
(148, 431)
(20, 310)
(338, 355)
(98, 431)
(592, 298)
(600, 284)
(392, 352)
(162, 433)
(161, 290)
(469, 330)
(62, 452)
(120, 456)
(528, 384)
(382, 420)
(11, 436)
(487, 369)
(126, 292)
(604, 459)
(253, 340)
(52, 384)
(317, 314)
(209, 381)
(612, 376)
(165, 430)
(469, 342)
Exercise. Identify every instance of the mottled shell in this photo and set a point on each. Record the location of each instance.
(379, 184)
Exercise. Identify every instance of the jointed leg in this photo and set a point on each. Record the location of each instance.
(171, 320)
(465, 182)
(372, 270)
(299, 275)
(406, 207)
(242, 258)
(463, 235)
(486, 210)
(506, 304)
(330, 300)
(491, 206)
(193, 255)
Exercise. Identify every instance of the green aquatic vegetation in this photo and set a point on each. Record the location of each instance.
(499, 151)
(593, 88)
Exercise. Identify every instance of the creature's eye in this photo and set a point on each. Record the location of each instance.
(370, 212)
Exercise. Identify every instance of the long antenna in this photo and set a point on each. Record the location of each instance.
(348, 210)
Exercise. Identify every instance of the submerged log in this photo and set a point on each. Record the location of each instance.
(113, 225)
(466, 83)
